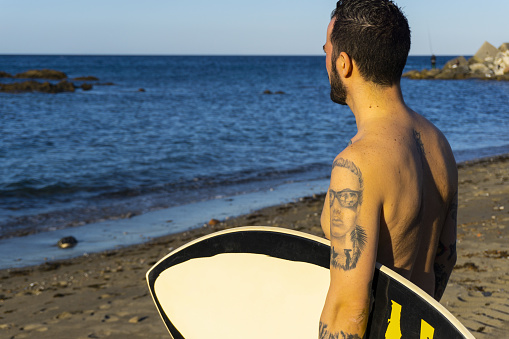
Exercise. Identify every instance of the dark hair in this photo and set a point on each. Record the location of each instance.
(374, 33)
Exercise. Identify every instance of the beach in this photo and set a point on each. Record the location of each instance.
(105, 295)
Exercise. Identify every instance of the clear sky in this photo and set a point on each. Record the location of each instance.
(229, 27)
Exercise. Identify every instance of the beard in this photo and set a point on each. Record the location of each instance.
(337, 88)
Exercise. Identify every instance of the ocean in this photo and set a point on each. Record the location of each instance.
(202, 129)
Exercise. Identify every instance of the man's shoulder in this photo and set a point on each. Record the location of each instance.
(367, 154)
(367, 161)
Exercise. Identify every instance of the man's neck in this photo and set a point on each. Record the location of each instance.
(372, 104)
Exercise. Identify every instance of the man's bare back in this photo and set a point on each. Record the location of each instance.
(417, 177)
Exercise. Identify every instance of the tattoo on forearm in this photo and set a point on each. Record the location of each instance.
(453, 209)
(442, 249)
(452, 251)
(454, 216)
(325, 334)
(345, 199)
(451, 248)
(441, 279)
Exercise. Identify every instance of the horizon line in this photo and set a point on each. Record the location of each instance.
(197, 55)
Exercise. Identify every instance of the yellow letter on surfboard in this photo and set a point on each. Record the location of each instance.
(427, 330)
(394, 328)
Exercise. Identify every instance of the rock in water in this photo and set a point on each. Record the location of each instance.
(67, 242)
(35, 86)
(501, 62)
(86, 87)
(487, 52)
(456, 64)
(87, 78)
(49, 74)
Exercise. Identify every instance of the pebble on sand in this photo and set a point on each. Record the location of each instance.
(67, 242)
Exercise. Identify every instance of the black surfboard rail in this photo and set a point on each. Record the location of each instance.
(400, 309)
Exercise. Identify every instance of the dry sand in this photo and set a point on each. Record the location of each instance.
(105, 295)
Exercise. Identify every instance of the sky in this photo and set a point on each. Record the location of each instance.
(229, 27)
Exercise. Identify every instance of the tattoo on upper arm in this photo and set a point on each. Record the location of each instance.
(348, 259)
(325, 334)
(345, 199)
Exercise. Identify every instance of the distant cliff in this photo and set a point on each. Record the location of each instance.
(488, 63)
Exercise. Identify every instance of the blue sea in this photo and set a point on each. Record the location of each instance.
(202, 129)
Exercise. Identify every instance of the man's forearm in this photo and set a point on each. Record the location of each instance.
(344, 322)
(442, 270)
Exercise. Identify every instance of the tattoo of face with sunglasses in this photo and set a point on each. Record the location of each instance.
(345, 199)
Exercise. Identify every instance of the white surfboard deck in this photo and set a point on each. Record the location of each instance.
(213, 288)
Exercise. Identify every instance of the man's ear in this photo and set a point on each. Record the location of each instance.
(344, 65)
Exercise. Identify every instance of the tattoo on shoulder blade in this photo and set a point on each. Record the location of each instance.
(345, 200)
(325, 334)
(420, 145)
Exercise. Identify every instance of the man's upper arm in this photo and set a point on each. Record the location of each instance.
(353, 211)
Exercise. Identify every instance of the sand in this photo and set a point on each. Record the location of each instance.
(105, 295)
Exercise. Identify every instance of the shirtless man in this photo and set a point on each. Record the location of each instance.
(393, 190)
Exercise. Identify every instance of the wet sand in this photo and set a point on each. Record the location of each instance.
(105, 295)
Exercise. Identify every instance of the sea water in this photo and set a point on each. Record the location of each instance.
(203, 128)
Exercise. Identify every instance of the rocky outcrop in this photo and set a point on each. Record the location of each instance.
(488, 63)
(45, 87)
(86, 87)
(35, 86)
(87, 78)
(486, 52)
(270, 92)
(49, 74)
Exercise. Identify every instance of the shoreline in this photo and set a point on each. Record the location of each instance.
(104, 295)
(41, 248)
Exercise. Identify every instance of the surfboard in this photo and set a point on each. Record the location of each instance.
(266, 282)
